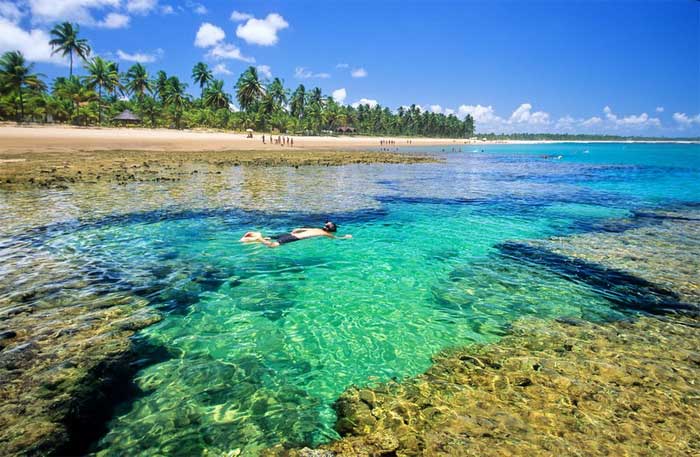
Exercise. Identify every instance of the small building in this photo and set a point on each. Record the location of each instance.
(127, 117)
(345, 129)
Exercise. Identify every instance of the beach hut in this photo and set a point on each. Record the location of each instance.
(345, 129)
(127, 117)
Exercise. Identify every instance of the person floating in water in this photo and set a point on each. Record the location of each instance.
(295, 235)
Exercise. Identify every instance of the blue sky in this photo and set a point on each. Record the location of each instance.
(624, 67)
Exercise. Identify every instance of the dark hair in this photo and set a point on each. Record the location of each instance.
(330, 226)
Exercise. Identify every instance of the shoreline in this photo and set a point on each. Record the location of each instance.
(15, 139)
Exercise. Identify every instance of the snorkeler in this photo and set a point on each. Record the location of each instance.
(295, 235)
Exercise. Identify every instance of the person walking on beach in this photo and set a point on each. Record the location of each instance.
(295, 235)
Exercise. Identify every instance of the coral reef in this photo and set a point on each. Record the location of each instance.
(566, 387)
(52, 169)
(65, 344)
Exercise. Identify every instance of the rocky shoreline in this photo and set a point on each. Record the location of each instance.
(53, 169)
(65, 347)
(550, 388)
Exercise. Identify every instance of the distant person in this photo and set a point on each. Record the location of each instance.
(295, 235)
(263, 139)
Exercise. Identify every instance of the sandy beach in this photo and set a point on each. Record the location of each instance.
(21, 139)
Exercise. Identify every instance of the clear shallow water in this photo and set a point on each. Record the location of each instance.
(260, 342)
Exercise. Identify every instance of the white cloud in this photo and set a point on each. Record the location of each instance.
(339, 95)
(449, 111)
(221, 69)
(638, 121)
(237, 16)
(358, 73)
(262, 32)
(34, 43)
(659, 109)
(11, 12)
(686, 121)
(365, 101)
(524, 115)
(305, 73)
(265, 71)
(80, 11)
(592, 122)
(211, 36)
(197, 8)
(114, 21)
(141, 6)
(435, 109)
(566, 123)
(140, 57)
(228, 51)
(167, 9)
(342, 65)
(208, 35)
(481, 114)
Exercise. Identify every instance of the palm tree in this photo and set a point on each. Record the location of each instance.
(201, 74)
(16, 75)
(103, 75)
(249, 89)
(215, 97)
(148, 107)
(316, 97)
(277, 92)
(175, 97)
(298, 102)
(75, 91)
(66, 41)
(137, 81)
(161, 84)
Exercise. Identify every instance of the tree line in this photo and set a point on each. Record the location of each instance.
(161, 100)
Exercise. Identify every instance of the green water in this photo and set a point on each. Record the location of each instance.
(259, 342)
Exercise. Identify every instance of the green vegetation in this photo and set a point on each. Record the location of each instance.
(163, 101)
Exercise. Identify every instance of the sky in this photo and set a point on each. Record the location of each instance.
(615, 67)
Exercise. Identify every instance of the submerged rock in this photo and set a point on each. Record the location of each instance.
(616, 390)
(69, 349)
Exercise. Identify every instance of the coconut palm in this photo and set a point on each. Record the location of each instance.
(215, 97)
(161, 84)
(316, 97)
(175, 97)
(149, 107)
(103, 75)
(16, 76)
(201, 74)
(65, 40)
(298, 102)
(75, 91)
(249, 89)
(137, 81)
(277, 92)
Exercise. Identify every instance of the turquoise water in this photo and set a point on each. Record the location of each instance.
(259, 342)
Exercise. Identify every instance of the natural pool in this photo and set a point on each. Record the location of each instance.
(259, 343)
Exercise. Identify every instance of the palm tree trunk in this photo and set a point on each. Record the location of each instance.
(99, 105)
(21, 106)
(70, 72)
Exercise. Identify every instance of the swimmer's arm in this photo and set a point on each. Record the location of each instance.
(344, 237)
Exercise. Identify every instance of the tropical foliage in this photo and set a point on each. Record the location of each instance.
(162, 100)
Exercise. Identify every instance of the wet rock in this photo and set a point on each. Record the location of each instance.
(7, 334)
(17, 356)
(601, 397)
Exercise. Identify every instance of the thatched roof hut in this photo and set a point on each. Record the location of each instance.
(345, 129)
(127, 117)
